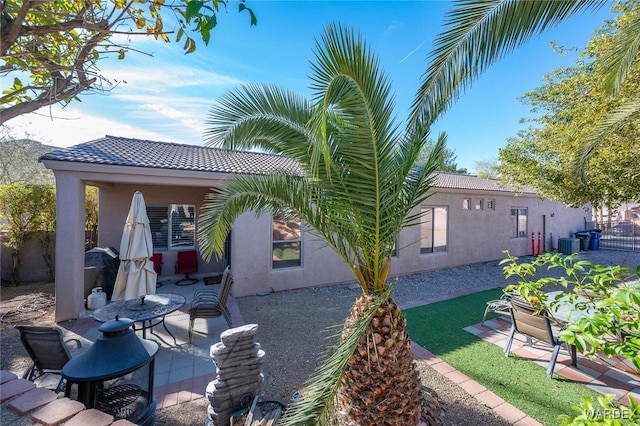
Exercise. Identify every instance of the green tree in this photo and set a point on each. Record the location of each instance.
(91, 217)
(360, 184)
(449, 158)
(487, 168)
(51, 49)
(27, 211)
(477, 33)
(19, 161)
(569, 107)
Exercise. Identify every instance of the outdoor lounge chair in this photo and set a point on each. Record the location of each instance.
(187, 262)
(537, 326)
(211, 304)
(47, 349)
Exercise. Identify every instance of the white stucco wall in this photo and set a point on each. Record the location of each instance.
(473, 236)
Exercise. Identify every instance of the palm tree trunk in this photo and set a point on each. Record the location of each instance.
(381, 385)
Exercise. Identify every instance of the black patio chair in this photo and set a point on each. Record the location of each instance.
(48, 351)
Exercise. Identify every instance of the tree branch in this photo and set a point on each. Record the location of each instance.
(11, 27)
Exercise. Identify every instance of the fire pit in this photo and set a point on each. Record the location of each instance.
(115, 375)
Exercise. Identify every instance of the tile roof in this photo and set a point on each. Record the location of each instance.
(119, 151)
(475, 183)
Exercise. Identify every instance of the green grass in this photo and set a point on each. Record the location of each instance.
(524, 384)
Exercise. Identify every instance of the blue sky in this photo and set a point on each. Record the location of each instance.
(166, 96)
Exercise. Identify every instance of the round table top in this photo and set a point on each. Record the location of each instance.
(160, 305)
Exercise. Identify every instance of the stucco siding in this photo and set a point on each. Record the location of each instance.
(473, 236)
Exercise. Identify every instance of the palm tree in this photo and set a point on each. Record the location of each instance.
(359, 185)
(479, 32)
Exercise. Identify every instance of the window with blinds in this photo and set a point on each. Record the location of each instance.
(172, 226)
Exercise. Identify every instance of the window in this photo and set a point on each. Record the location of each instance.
(491, 204)
(478, 205)
(518, 222)
(466, 204)
(173, 227)
(433, 230)
(287, 242)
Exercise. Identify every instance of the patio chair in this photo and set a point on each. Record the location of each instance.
(498, 306)
(537, 326)
(48, 351)
(187, 263)
(211, 304)
(157, 266)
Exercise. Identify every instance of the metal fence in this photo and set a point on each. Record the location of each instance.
(620, 235)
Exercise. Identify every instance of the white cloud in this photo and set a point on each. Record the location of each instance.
(71, 126)
(163, 76)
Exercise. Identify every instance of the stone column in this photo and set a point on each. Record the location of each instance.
(238, 359)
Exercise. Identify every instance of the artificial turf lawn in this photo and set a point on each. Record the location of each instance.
(524, 384)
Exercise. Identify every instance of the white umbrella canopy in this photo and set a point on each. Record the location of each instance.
(136, 277)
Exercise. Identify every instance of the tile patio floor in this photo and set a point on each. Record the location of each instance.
(183, 369)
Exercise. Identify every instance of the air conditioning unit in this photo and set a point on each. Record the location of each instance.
(568, 245)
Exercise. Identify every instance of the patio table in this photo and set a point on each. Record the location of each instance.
(566, 311)
(158, 306)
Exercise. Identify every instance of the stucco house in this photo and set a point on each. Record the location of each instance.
(467, 219)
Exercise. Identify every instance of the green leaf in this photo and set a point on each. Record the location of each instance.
(193, 9)
(192, 46)
(254, 19)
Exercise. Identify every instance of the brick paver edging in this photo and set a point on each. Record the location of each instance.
(45, 407)
(499, 406)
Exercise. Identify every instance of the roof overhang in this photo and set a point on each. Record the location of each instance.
(98, 174)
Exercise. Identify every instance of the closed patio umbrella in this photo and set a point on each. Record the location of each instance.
(136, 276)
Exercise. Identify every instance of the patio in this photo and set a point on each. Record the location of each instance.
(182, 370)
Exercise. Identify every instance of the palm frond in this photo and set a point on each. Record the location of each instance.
(610, 124)
(256, 193)
(421, 179)
(318, 403)
(260, 116)
(357, 134)
(623, 54)
(478, 33)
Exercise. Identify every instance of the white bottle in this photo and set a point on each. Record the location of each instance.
(96, 299)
